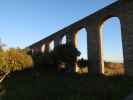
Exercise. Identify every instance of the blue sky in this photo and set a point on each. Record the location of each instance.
(23, 22)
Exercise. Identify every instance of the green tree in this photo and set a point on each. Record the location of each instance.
(17, 60)
(2, 61)
(14, 60)
(67, 54)
(44, 61)
(82, 63)
(62, 54)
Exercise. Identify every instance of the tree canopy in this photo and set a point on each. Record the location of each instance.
(13, 60)
(66, 53)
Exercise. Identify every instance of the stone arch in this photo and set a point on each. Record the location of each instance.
(81, 43)
(102, 19)
(63, 40)
(51, 45)
(102, 44)
(43, 48)
(82, 37)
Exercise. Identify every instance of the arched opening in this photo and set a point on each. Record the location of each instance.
(51, 46)
(32, 51)
(112, 50)
(63, 40)
(82, 47)
(43, 48)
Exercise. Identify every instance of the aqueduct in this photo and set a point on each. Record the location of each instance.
(122, 9)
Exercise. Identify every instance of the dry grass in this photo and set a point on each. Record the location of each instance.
(113, 68)
(32, 85)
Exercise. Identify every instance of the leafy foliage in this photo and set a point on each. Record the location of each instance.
(14, 59)
(82, 64)
(66, 53)
(2, 60)
(61, 54)
(44, 61)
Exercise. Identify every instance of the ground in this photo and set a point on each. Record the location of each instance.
(40, 85)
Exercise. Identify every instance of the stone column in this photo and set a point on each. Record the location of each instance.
(126, 20)
(94, 49)
(71, 38)
(127, 40)
(47, 47)
(57, 41)
(37, 49)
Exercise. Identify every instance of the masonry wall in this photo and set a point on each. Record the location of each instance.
(126, 17)
(123, 9)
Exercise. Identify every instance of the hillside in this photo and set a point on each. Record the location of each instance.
(112, 68)
(34, 85)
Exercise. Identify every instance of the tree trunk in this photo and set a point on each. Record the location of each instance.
(1, 80)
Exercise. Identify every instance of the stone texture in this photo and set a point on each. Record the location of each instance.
(123, 9)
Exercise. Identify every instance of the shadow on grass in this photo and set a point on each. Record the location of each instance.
(33, 85)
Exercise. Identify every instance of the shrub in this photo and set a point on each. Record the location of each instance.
(14, 60)
(82, 64)
(44, 61)
(64, 53)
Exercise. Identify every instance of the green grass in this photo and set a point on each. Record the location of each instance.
(30, 85)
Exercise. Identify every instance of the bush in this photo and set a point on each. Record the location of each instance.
(14, 60)
(65, 54)
(82, 64)
(44, 61)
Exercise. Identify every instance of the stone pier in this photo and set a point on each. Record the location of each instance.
(123, 10)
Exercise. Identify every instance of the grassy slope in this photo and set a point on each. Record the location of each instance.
(114, 68)
(30, 85)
